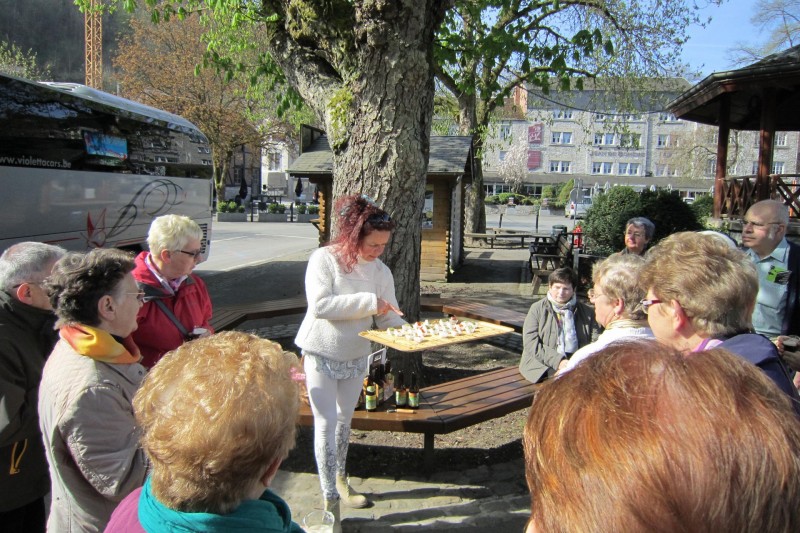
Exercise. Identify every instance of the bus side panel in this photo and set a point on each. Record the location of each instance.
(80, 210)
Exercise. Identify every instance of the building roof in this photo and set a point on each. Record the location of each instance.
(779, 72)
(449, 156)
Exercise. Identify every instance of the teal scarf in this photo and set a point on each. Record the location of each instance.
(267, 514)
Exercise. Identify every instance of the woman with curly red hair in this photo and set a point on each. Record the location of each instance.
(348, 289)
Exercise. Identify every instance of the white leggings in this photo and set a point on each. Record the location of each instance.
(332, 402)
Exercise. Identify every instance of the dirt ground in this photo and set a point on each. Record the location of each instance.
(394, 454)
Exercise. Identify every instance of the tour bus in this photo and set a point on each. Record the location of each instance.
(84, 169)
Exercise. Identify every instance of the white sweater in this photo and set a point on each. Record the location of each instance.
(607, 337)
(341, 305)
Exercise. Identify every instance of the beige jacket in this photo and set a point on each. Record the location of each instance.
(87, 422)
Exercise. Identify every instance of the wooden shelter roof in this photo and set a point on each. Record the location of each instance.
(745, 86)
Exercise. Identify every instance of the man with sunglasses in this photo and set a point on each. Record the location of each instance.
(777, 262)
(27, 336)
(177, 306)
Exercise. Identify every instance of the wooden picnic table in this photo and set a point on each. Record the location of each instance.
(498, 233)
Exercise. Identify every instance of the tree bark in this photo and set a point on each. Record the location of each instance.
(377, 106)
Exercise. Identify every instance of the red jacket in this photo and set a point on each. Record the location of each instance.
(157, 334)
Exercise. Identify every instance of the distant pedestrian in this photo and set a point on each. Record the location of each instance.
(348, 289)
(27, 336)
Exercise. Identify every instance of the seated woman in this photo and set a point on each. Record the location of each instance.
(639, 232)
(616, 296)
(88, 383)
(701, 293)
(556, 326)
(177, 305)
(218, 416)
(640, 438)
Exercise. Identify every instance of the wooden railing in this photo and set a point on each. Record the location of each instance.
(739, 193)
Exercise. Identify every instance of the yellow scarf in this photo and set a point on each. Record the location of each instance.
(100, 345)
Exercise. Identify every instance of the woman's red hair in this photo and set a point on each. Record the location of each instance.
(358, 217)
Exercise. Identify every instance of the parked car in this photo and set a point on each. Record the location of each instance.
(578, 210)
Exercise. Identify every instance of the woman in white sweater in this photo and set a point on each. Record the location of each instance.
(348, 289)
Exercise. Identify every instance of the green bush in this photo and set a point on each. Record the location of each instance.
(563, 194)
(605, 221)
(703, 207)
(301, 209)
(313, 209)
(227, 207)
(240, 208)
(276, 208)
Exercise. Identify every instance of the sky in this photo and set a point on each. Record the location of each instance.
(707, 48)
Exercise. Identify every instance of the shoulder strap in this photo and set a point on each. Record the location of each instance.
(161, 305)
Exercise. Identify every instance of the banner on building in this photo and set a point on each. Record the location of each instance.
(535, 133)
(534, 159)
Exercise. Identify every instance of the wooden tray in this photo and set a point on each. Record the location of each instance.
(482, 331)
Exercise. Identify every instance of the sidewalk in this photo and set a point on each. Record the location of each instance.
(490, 498)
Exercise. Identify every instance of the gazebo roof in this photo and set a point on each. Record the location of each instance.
(449, 156)
(779, 72)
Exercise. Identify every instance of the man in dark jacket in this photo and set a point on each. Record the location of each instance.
(27, 337)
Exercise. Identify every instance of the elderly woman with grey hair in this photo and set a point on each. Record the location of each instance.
(639, 232)
(617, 297)
(177, 306)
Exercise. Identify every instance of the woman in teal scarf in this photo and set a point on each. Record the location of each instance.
(218, 417)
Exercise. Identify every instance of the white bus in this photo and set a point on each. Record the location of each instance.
(84, 169)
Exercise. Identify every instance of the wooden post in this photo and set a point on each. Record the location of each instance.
(722, 153)
(767, 135)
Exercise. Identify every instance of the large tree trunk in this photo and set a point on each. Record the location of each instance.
(378, 118)
(475, 213)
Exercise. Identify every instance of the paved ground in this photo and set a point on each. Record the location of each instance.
(492, 499)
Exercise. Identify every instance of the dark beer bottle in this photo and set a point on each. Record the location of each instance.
(370, 394)
(400, 391)
(413, 393)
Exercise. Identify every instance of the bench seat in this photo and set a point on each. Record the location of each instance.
(448, 407)
(229, 317)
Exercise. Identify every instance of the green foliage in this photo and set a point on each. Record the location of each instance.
(17, 62)
(276, 208)
(313, 209)
(549, 192)
(703, 207)
(227, 207)
(566, 189)
(301, 209)
(240, 208)
(605, 221)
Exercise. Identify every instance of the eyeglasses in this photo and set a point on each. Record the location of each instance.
(593, 294)
(647, 303)
(635, 234)
(377, 219)
(755, 224)
(195, 255)
(139, 296)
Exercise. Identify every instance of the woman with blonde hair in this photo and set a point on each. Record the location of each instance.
(218, 415)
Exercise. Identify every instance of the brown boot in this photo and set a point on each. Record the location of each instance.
(332, 506)
(348, 494)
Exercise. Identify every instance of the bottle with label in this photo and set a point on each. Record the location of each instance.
(378, 379)
(388, 381)
(370, 394)
(400, 391)
(413, 392)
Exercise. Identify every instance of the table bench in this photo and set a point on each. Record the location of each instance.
(557, 252)
(490, 237)
(448, 407)
(228, 317)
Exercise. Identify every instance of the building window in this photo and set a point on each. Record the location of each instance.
(631, 117)
(562, 113)
(601, 167)
(599, 117)
(662, 141)
(561, 167)
(502, 155)
(206, 161)
(711, 167)
(561, 137)
(667, 117)
(628, 169)
(777, 167)
(505, 131)
(608, 139)
(274, 160)
(780, 138)
(630, 140)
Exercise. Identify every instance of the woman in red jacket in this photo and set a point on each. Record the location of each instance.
(177, 306)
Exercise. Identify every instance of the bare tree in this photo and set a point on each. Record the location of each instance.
(778, 21)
